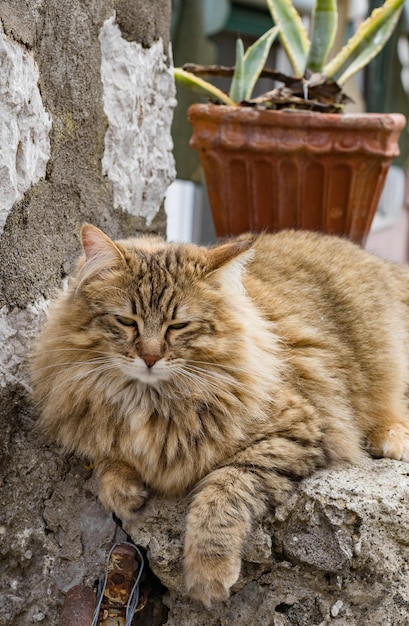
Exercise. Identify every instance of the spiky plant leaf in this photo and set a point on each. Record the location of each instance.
(323, 31)
(365, 44)
(292, 33)
(238, 84)
(201, 86)
(249, 65)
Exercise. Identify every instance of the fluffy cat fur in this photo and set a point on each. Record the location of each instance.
(227, 373)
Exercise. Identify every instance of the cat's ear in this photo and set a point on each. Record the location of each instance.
(227, 263)
(100, 253)
(238, 251)
(96, 243)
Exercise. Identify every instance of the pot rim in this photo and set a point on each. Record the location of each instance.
(290, 118)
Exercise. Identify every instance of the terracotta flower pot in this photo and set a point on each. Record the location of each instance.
(270, 170)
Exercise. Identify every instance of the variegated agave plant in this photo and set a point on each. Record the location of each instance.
(317, 82)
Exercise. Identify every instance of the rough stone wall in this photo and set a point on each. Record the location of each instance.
(337, 554)
(86, 101)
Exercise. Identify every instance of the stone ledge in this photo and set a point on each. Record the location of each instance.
(336, 553)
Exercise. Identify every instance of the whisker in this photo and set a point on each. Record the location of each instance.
(211, 396)
(80, 376)
(206, 387)
(71, 349)
(72, 364)
(217, 376)
(206, 379)
(221, 365)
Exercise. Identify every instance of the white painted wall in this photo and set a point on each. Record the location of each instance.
(24, 125)
(139, 95)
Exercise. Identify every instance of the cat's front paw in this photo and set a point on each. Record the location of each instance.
(122, 492)
(392, 442)
(209, 579)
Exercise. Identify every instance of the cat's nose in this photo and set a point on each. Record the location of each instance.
(150, 359)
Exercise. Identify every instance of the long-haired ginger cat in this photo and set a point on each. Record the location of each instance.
(227, 373)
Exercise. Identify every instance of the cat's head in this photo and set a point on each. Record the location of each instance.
(159, 311)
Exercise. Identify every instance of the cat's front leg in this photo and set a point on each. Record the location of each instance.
(121, 489)
(217, 524)
(225, 503)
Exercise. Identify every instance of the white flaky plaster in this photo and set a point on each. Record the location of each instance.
(139, 97)
(17, 331)
(24, 125)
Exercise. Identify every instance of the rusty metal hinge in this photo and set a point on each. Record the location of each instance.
(117, 598)
(118, 592)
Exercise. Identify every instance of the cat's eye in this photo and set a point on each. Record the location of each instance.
(177, 325)
(125, 321)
